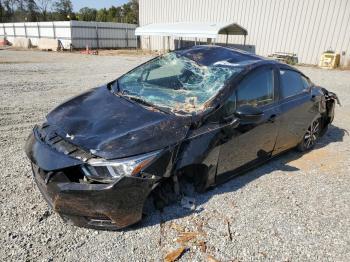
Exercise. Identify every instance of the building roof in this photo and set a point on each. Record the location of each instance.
(191, 29)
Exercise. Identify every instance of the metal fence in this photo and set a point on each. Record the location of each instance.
(77, 34)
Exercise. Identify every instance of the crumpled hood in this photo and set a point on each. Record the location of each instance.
(112, 127)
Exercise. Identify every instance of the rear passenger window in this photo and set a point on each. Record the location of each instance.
(292, 83)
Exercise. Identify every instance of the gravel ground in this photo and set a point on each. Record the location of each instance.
(294, 208)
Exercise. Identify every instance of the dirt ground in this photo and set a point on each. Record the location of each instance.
(294, 208)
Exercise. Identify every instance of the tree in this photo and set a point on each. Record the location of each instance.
(87, 14)
(63, 9)
(19, 10)
(102, 15)
(44, 6)
(134, 13)
(32, 11)
(119, 14)
(9, 7)
(2, 12)
(53, 10)
(131, 12)
(112, 14)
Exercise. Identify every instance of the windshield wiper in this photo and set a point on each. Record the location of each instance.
(146, 103)
(114, 87)
(118, 87)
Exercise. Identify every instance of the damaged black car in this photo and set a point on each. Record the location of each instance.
(206, 113)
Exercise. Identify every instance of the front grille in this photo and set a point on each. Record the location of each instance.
(51, 138)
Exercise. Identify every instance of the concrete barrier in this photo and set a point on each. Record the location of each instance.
(48, 44)
(22, 42)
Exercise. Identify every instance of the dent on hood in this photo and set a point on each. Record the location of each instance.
(110, 127)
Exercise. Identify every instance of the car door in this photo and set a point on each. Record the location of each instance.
(250, 142)
(297, 108)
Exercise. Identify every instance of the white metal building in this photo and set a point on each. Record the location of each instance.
(76, 33)
(305, 27)
(196, 30)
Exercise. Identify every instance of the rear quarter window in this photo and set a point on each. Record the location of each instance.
(292, 83)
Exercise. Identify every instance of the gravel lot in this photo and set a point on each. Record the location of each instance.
(295, 208)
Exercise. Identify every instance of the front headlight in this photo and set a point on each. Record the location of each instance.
(108, 171)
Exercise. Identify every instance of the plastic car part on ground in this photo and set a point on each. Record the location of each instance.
(188, 203)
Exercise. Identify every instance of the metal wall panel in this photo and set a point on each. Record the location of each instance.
(34, 31)
(76, 33)
(305, 27)
(103, 35)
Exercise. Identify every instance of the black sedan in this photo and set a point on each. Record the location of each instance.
(206, 113)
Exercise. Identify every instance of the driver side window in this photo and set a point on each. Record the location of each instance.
(256, 89)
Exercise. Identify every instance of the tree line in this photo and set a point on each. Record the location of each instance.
(62, 10)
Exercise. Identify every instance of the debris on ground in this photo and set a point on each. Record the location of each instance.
(177, 227)
(202, 246)
(45, 215)
(185, 237)
(188, 203)
(174, 255)
(228, 229)
(211, 259)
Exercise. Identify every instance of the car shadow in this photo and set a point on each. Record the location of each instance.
(281, 163)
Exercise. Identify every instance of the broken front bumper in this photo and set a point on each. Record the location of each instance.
(100, 206)
(103, 206)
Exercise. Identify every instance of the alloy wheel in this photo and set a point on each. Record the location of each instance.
(312, 134)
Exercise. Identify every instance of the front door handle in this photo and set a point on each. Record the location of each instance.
(232, 121)
(272, 118)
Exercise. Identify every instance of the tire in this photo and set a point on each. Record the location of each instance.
(311, 136)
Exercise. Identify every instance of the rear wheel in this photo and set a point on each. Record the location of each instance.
(311, 136)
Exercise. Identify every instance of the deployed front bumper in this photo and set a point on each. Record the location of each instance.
(104, 206)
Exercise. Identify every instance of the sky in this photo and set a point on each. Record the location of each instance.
(77, 4)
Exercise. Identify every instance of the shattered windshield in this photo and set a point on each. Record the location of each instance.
(175, 82)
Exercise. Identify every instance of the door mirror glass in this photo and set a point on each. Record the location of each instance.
(249, 113)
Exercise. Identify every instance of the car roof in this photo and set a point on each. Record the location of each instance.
(208, 55)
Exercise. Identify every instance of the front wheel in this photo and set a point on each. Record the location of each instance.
(311, 136)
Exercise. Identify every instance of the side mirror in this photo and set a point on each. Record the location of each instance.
(249, 113)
